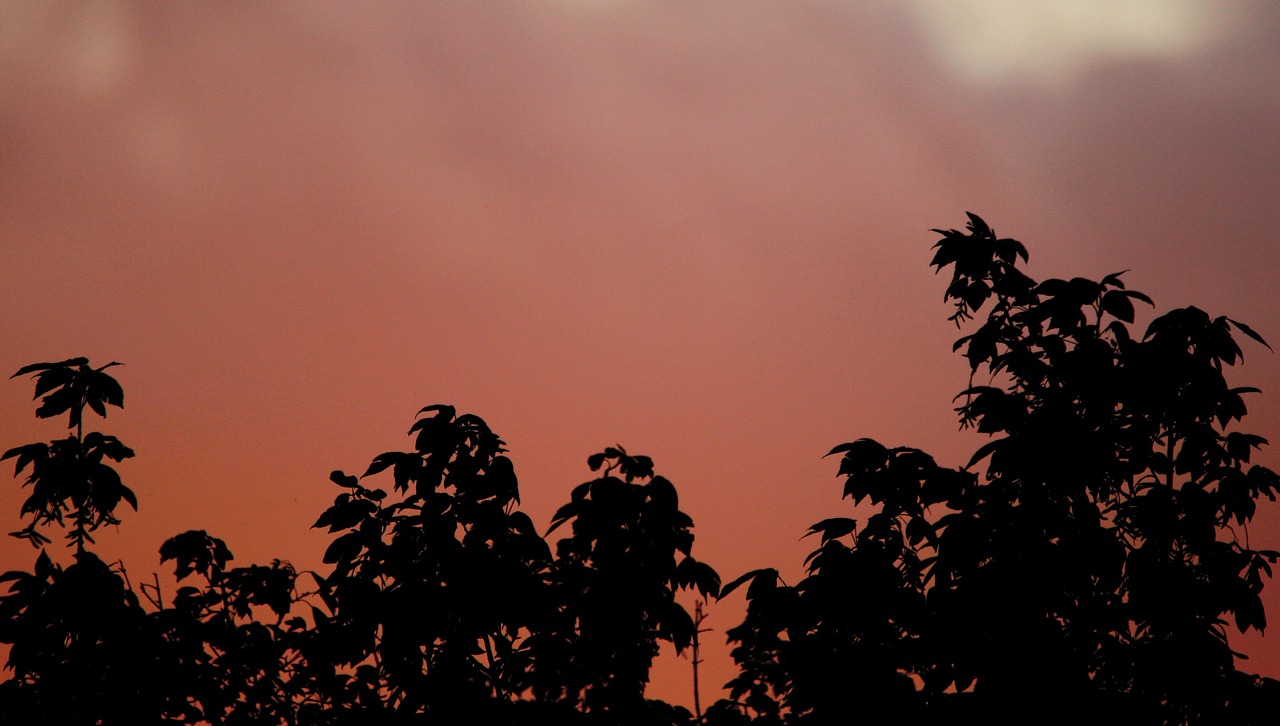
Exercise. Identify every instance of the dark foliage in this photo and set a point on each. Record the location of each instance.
(443, 604)
(1084, 565)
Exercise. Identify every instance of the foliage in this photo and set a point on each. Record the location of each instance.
(1084, 564)
(443, 602)
(69, 477)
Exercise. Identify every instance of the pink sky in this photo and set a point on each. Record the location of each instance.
(698, 230)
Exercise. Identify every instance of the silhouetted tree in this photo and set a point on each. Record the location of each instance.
(1080, 567)
(443, 605)
(447, 601)
(1083, 566)
(82, 649)
(616, 577)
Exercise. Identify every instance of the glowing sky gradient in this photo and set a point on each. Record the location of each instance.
(695, 229)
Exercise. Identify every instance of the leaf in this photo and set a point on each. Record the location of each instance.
(833, 528)
(1119, 332)
(943, 485)
(981, 346)
(502, 477)
(946, 253)
(1083, 291)
(382, 462)
(752, 575)
(861, 456)
(978, 226)
(70, 362)
(639, 467)
(26, 455)
(984, 451)
(1249, 613)
(344, 549)
(345, 515)
(1139, 296)
(1053, 287)
(919, 529)
(195, 551)
(1113, 280)
(104, 387)
(521, 523)
(58, 403)
(442, 411)
(1248, 331)
(662, 493)
(562, 515)
(342, 479)
(692, 573)
(1116, 303)
(1009, 249)
(129, 497)
(14, 575)
(52, 379)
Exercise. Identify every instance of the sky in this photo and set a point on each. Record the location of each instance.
(699, 230)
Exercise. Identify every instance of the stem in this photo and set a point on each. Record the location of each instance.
(493, 678)
(80, 513)
(159, 601)
(698, 617)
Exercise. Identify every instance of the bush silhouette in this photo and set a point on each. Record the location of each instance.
(1083, 565)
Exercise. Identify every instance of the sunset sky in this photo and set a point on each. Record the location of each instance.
(699, 230)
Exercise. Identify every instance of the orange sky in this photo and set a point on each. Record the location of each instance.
(698, 230)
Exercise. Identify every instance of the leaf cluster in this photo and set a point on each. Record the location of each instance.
(70, 478)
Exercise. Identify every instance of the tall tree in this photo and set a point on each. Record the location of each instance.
(73, 632)
(1082, 565)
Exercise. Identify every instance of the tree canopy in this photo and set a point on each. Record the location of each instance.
(1085, 564)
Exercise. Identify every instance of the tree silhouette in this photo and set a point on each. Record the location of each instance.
(1083, 565)
(443, 604)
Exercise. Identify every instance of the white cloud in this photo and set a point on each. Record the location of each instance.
(1048, 40)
